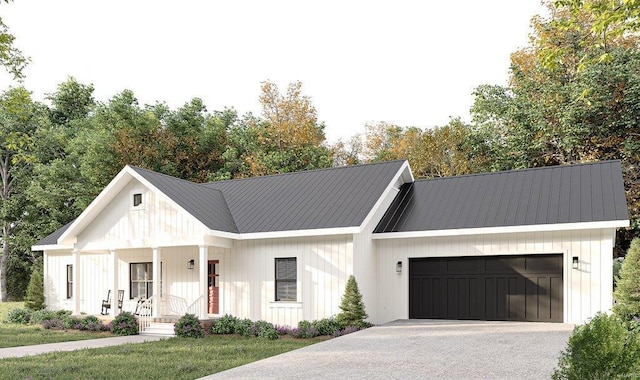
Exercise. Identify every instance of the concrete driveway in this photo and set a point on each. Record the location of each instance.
(422, 349)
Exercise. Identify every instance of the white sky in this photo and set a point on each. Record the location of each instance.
(406, 62)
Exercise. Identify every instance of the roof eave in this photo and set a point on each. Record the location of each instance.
(503, 229)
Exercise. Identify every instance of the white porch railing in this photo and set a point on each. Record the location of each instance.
(195, 307)
(145, 313)
(177, 305)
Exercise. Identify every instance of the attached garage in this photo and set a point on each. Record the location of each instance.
(522, 245)
(507, 288)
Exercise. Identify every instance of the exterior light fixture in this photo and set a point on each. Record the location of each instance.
(190, 264)
(399, 267)
(575, 262)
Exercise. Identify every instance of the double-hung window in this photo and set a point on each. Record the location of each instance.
(286, 279)
(69, 281)
(141, 281)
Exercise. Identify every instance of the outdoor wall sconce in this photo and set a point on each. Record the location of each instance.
(575, 262)
(399, 267)
(190, 264)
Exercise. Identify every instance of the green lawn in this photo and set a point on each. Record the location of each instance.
(12, 335)
(175, 358)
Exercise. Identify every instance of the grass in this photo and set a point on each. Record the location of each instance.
(13, 335)
(175, 358)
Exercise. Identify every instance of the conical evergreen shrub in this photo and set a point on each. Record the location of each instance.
(627, 293)
(35, 290)
(353, 311)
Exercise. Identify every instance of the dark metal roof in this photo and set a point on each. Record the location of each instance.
(588, 192)
(204, 203)
(325, 198)
(53, 238)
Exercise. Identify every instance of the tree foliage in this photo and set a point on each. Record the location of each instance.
(35, 291)
(11, 58)
(627, 292)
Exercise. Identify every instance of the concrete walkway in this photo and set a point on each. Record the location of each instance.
(422, 349)
(18, 352)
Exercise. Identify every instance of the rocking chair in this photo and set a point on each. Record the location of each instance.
(106, 304)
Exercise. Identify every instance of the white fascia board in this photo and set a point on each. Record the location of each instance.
(106, 195)
(405, 173)
(286, 234)
(503, 230)
(51, 247)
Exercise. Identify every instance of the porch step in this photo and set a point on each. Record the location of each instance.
(159, 328)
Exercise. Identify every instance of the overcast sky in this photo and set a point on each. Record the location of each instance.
(406, 62)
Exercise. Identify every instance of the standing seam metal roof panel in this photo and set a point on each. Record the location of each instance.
(566, 194)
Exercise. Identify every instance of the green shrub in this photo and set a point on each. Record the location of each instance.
(124, 324)
(243, 327)
(225, 325)
(601, 349)
(305, 330)
(353, 311)
(188, 326)
(22, 316)
(35, 291)
(617, 265)
(70, 322)
(627, 293)
(264, 329)
(40, 316)
(326, 326)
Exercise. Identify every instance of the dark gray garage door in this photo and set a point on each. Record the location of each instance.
(504, 288)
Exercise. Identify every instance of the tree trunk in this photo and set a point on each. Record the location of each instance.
(4, 260)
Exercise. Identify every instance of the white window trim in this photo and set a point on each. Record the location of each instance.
(272, 276)
(141, 206)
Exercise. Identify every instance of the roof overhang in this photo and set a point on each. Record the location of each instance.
(503, 230)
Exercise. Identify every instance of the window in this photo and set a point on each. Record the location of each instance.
(69, 281)
(286, 278)
(137, 199)
(141, 285)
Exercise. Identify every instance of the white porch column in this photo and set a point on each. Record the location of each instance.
(115, 261)
(156, 281)
(76, 281)
(202, 280)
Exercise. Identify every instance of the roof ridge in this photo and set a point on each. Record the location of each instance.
(176, 178)
(304, 171)
(518, 170)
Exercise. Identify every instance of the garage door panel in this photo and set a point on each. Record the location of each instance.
(459, 293)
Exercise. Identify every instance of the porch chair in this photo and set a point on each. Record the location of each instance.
(106, 304)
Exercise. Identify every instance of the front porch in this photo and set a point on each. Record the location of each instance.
(156, 282)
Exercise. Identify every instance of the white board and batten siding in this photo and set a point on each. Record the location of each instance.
(155, 222)
(248, 278)
(587, 289)
(55, 295)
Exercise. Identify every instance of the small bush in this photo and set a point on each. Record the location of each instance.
(601, 349)
(225, 325)
(263, 329)
(326, 326)
(283, 330)
(40, 316)
(89, 323)
(124, 324)
(188, 326)
(305, 330)
(55, 323)
(70, 322)
(22, 316)
(243, 327)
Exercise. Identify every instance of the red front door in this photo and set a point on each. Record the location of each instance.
(213, 303)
